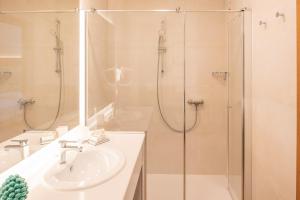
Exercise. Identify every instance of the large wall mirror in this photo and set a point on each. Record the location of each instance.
(38, 80)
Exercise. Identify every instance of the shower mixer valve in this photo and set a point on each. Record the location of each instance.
(195, 102)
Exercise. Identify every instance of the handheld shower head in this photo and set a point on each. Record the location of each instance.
(162, 49)
(56, 33)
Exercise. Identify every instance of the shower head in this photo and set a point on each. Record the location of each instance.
(56, 33)
(57, 21)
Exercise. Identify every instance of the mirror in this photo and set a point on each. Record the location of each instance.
(38, 81)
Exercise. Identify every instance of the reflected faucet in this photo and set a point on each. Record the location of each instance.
(23, 102)
(65, 147)
(22, 146)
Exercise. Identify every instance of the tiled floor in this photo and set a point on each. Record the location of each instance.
(199, 187)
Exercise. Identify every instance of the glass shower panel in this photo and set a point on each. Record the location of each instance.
(209, 56)
(235, 104)
(136, 83)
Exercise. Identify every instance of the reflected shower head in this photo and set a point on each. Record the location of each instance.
(162, 31)
(162, 37)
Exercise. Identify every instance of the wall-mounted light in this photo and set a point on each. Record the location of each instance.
(82, 69)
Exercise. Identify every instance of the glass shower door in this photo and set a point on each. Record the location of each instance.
(236, 106)
(213, 109)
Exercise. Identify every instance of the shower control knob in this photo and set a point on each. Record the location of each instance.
(195, 102)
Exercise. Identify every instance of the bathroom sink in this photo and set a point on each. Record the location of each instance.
(8, 158)
(85, 169)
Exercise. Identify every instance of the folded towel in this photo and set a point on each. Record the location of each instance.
(98, 137)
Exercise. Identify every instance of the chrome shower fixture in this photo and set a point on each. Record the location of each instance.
(58, 47)
(162, 49)
(195, 102)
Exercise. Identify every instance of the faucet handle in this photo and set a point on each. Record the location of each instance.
(22, 142)
(63, 143)
(67, 141)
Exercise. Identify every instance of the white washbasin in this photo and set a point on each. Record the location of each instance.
(8, 158)
(85, 169)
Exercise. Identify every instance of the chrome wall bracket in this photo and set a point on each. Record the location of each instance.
(280, 15)
(262, 23)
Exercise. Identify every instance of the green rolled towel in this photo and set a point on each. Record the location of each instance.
(14, 188)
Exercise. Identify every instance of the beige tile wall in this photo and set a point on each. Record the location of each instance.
(274, 101)
(206, 52)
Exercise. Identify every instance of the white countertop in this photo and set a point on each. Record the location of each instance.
(32, 169)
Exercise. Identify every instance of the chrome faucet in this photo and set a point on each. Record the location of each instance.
(68, 146)
(22, 146)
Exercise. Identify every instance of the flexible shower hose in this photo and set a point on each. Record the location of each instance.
(60, 71)
(57, 111)
(159, 104)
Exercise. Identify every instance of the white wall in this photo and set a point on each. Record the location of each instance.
(273, 98)
(274, 101)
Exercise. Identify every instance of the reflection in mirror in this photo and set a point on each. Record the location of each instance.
(38, 81)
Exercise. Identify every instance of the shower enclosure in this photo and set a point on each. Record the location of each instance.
(178, 75)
